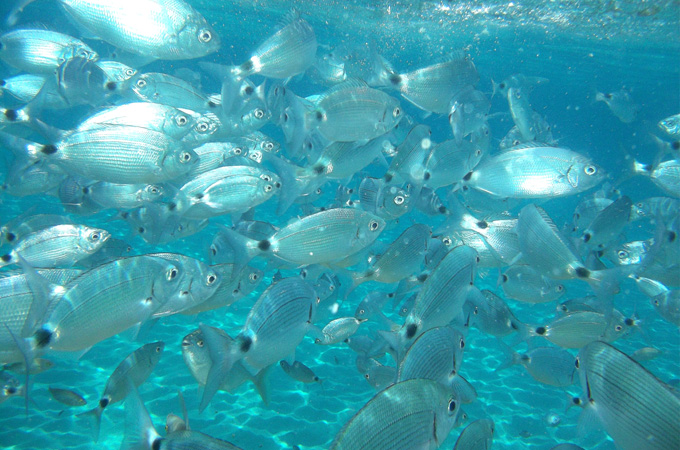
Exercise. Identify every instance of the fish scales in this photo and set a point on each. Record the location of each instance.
(636, 409)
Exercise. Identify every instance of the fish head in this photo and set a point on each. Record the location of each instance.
(92, 239)
(144, 86)
(196, 355)
(152, 192)
(178, 162)
(270, 183)
(368, 228)
(583, 175)
(446, 416)
(396, 200)
(198, 38)
(205, 126)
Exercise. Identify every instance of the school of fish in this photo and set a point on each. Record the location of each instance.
(444, 231)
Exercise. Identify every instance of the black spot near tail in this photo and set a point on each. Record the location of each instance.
(540, 331)
(10, 236)
(586, 237)
(388, 177)
(6, 258)
(675, 145)
(247, 66)
(103, 403)
(442, 209)
(582, 272)
(111, 86)
(157, 443)
(467, 176)
(411, 330)
(245, 344)
(264, 245)
(483, 224)
(395, 79)
(11, 114)
(48, 149)
(43, 337)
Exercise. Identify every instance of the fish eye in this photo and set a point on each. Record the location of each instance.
(361, 311)
(396, 112)
(185, 157)
(268, 146)
(205, 36)
(373, 225)
(462, 343)
(130, 72)
(202, 127)
(268, 188)
(95, 236)
(158, 349)
(200, 343)
(211, 279)
(141, 83)
(590, 170)
(266, 178)
(253, 277)
(446, 241)
(577, 363)
(259, 113)
(559, 288)
(618, 328)
(182, 120)
(367, 376)
(452, 405)
(622, 254)
(154, 190)
(399, 199)
(318, 191)
(172, 274)
(238, 151)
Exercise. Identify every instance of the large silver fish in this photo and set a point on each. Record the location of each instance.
(158, 29)
(57, 246)
(408, 415)
(535, 172)
(635, 408)
(41, 51)
(476, 436)
(132, 371)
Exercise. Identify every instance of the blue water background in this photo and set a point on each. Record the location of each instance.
(581, 47)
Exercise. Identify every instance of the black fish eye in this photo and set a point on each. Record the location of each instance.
(622, 254)
(373, 225)
(211, 278)
(446, 241)
(199, 343)
(452, 405)
(590, 170)
(202, 127)
(259, 113)
(560, 288)
(462, 343)
(268, 146)
(172, 274)
(158, 349)
(185, 156)
(141, 83)
(95, 236)
(268, 188)
(237, 151)
(399, 199)
(361, 311)
(618, 328)
(396, 112)
(578, 363)
(181, 120)
(253, 277)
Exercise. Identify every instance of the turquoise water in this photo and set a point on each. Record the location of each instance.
(581, 47)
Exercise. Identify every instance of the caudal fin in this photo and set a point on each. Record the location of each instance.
(140, 433)
(94, 416)
(223, 355)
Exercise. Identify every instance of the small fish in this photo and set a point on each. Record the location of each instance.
(609, 379)
(608, 223)
(671, 125)
(384, 199)
(547, 365)
(665, 175)
(171, 91)
(491, 315)
(411, 414)
(522, 113)
(518, 80)
(38, 365)
(300, 372)
(338, 330)
(468, 114)
(621, 104)
(524, 283)
(130, 373)
(67, 397)
(646, 354)
(379, 376)
(9, 387)
(579, 328)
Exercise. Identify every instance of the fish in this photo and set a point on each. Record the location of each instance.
(57, 246)
(646, 354)
(163, 29)
(440, 299)
(299, 372)
(476, 436)
(141, 434)
(665, 175)
(196, 356)
(671, 125)
(468, 114)
(518, 80)
(579, 328)
(547, 365)
(379, 376)
(41, 51)
(276, 324)
(385, 199)
(338, 330)
(610, 379)
(491, 315)
(10, 387)
(621, 104)
(67, 397)
(325, 236)
(411, 414)
(437, 355)
(534, 171)
(449, 161)
(521, 112)
(526, 284)
(130, 373)
(608, 224)
(284, 54)
(171, 91)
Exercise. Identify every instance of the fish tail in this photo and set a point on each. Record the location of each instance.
(245, 249)
(140, 433)
(262, 385)
(94, 416)
(297, 123)
(28, 354)
(382, 72)
(223, 355)
(294, 182)
(24, 149)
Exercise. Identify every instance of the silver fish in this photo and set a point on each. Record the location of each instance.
(608, 223)
(468, 114)
(197, 358)
(379, 376)
(621, 104)
(535, 172)
(67, 397)
(521, 112)
(671, 125)
(168, 90)
(132, 371)
(276, 324)
(338, 330)
(547, 365)
(162, 29)
(41, 51)
(412, 414)
(610, 380)
(23, 87)
(526, 284)
(579, 328)
(60, 245)
(124, 196)
(233, 287)
(300, 372)
(448, 162)
(286, 53)
(665, 175)
(492, 315)
(140, 433)
(476, 436)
